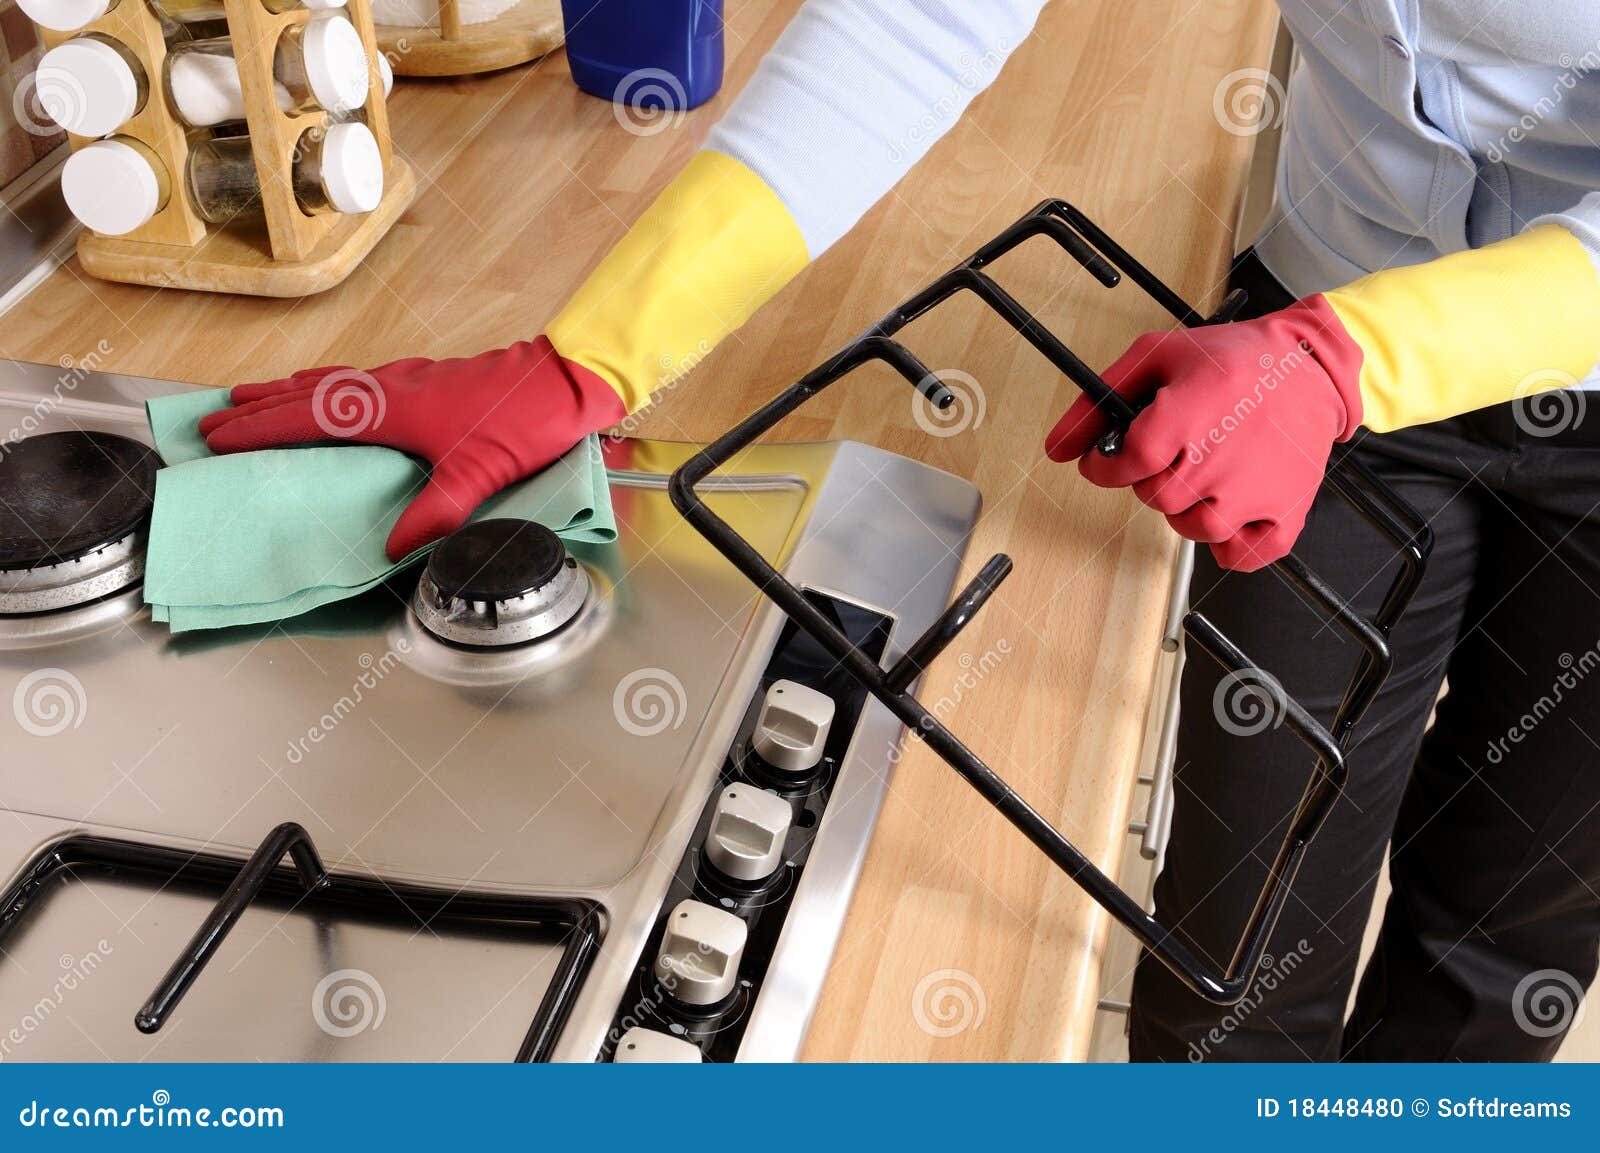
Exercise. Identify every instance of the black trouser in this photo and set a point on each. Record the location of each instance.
(1491, 817)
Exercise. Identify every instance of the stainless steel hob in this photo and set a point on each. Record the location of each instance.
(581, 802)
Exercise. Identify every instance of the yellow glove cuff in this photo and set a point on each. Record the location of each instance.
(715, 246)
(1473, 328)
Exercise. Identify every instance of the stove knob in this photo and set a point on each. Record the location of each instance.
(793, 727)
(700, 953)
(747, 833)
(641, 1046)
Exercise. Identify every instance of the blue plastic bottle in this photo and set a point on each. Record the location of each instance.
(653, 54)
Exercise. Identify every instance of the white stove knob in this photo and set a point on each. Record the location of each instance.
(748, 829)
(700, 953)
(793, 727)
(640, 1046)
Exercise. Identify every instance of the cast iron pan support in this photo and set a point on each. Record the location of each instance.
(1347, 478)
(575, 923)
(286, 838)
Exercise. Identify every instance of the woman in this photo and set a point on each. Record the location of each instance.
(1432, 262)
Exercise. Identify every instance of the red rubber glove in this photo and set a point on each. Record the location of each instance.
(1236, 438)
(482, 423)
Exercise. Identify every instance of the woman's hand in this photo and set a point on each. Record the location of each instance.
(482, 423)
(1240, 422)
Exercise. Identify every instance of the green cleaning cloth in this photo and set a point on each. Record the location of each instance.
(259, 536)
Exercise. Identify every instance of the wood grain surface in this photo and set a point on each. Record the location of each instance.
(522, 33)
(525, 182)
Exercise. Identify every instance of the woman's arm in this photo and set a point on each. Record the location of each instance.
(852, 95)
(1479, 327)
(1241, 418)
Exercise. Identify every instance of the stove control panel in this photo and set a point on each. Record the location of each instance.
(703, 964)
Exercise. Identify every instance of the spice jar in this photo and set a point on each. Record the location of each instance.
(70, 15)
(65, 15)
(115, 185)
(199, 11)
(91, 85)
(319, 64)
(337, 170)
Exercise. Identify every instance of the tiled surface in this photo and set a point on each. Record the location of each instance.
(25, 135)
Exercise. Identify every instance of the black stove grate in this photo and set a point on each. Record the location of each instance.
(1347, 478)
(573, 923)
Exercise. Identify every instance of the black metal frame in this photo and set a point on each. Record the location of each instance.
(1348, 478)
(311, 886)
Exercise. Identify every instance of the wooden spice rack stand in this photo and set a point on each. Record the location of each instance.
(298, 254)
(525, 32)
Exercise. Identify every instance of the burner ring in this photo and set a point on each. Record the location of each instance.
(500, 582)
(494, 624)
(64, 584)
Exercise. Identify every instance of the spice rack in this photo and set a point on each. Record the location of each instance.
(298, 254)
(524, 32)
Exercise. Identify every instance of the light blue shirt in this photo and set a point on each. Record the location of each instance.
(1414, 128)
(1417, 128)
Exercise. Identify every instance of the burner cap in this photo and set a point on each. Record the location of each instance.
(500, 582)
(496, 560)
(64, 495)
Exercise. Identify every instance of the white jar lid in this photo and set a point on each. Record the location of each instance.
(336, 64)
(111, 187)
(352, 167)
(87, 87)
(64, 15)
(386, 74)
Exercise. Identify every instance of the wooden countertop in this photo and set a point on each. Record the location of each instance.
(524, 184)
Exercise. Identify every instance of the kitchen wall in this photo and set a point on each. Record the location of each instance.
(25, 134)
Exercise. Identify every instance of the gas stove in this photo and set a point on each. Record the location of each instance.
(529, 800)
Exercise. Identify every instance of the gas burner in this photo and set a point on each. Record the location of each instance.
(500, 582)
(73, 512)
